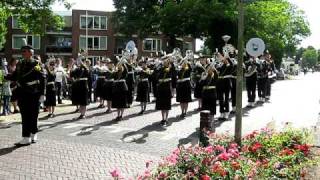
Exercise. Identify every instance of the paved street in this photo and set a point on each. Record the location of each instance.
(90, 148)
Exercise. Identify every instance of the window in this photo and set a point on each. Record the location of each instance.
(17, 41)
(94, 42)
(93, 22)
(103, 22)
(152, 44)
(15, 23)
(83, 22)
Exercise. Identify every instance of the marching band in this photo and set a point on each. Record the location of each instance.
(167, 76)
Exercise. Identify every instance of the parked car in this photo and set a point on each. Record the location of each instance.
(281, 75)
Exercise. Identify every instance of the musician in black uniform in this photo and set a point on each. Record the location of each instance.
(120, 89)
(101, 73)
(209, 81)
(251, 80)
(224, 69)
(262, 75)
(107, 88)
(233, 81)
(90, 79)
(143, 95)
(130, 80)
(184, 87)
(30, 78)
(199, 69)
(50, 101)
(164, 90)
(270, 71)
(80, 87)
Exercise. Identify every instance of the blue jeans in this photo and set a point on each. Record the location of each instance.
(6, 104)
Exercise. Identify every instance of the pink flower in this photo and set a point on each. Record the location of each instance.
(115, 173)
(255, 147)
(208, 149)
(219, 148)
(147, 173)
(233, 146)
(162, 175)
(205, 177)
(176, 151)
(234, 153)
(224, 156)
(172, 159)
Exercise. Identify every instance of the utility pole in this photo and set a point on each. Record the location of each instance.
(238, 122)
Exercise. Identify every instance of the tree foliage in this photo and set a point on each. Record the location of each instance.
(279, 23)
(33, 15)
(310, 57)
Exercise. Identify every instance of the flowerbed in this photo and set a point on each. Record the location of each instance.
(264, 154)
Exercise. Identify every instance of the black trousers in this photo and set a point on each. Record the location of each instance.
(29, 109)
(223, 92)
(233, 91)
(58, 87)
(268, 87)
(262, 87)
(251, 84)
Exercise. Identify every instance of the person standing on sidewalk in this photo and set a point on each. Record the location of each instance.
(107, 94)
(6, 91)
(199, 69)
(143, 86)
(209, 80)
(80, 90)
(30, 78)
(60, 75)
(270, 70)
(184, 87)
(50, 101)
(13, 85)
(251, 80)
(164, 90)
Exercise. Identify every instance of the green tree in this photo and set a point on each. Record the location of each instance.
(279, 23)
(33, 15)
(310, 57)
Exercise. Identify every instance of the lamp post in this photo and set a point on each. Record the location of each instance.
(238, 122)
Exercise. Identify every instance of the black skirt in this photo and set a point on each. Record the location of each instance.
(164, 95)
(119, 95)
(209, 102)
(143, 92)
(14, 96)
(80, 93)
(183, 92)
(107, 90)
(100, 88)
(198, 90)
(50, 96)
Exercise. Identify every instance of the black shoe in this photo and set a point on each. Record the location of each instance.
(16, 111)
(164, 123)
(182, 115)
(141, 112)
(82, 117)
(52, 115)
(77, 110)
(49, 115)
(60, 102)
(108, 111)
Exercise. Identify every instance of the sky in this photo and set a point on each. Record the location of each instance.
(309, 6)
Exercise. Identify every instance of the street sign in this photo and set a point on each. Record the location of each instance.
(255, 47)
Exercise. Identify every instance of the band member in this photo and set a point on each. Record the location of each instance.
(209, 81)
(120, 89)
(101, 72)
(30, 79)
(262, 75)
(224, 69)
(184, 87)
(155, 67)
(164, 90)
(90, 80)
(130, 80)
(251, 80)
(50, 101)
(270, 71)
(108, 85)
(80, 90)
(143, 95)
(233, 80)
(199, 69)
(13, 85)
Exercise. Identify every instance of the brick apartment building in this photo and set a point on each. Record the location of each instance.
(91, 30)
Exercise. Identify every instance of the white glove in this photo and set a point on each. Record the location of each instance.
(42, 98)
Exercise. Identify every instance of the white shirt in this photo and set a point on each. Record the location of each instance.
(60, 74)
